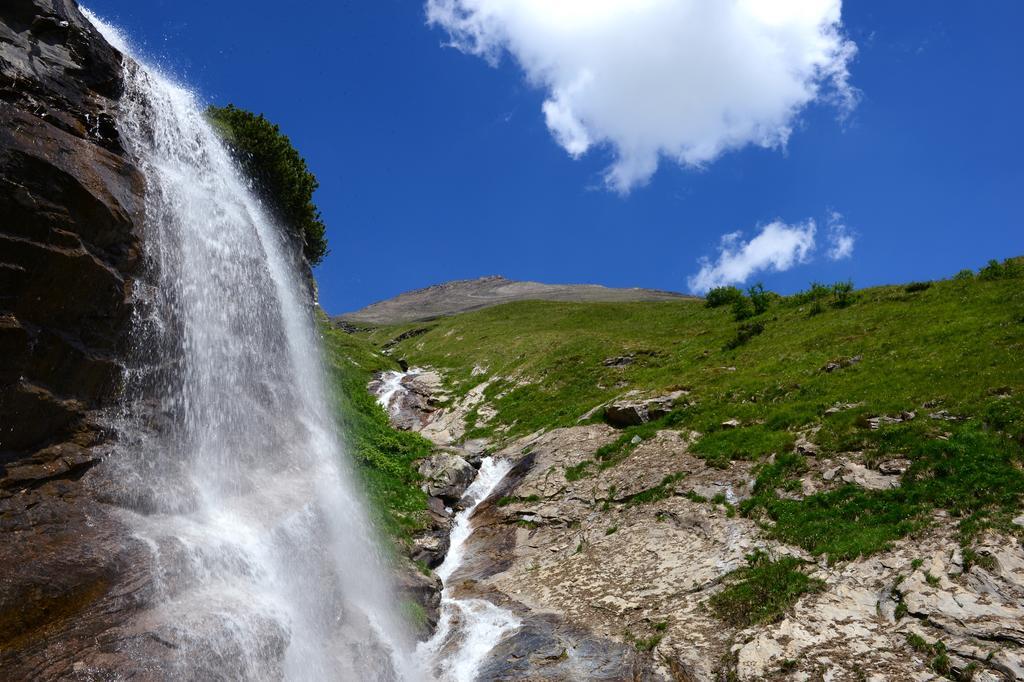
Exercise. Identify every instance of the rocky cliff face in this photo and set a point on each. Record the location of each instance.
(70, 205)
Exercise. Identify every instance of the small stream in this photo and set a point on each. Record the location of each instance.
(469, 628)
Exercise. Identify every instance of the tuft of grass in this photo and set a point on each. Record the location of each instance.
(578, 471)
(762, 591)
(644, 643)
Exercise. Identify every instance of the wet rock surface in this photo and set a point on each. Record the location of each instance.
(70, 202)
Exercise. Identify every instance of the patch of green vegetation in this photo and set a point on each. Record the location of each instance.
(611, 530)
(415, 615)
(762, 591)
(721, 447)
(917, 286)
(662, 491)
(744, 333)
(383, 455)
(938, 657)
(578, 471)
(974, 474)
(644, 643)
(721, 296)
(278, 171)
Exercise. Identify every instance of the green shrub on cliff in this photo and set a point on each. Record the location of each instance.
(279, 171)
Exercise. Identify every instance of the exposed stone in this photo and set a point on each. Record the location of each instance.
(858, 474)
(446, 476)
(841, 407)
(841, 363)
(623, 413)
(618, 361)
(876, 423)
(806, 447)
(731, 424)
(894, 467)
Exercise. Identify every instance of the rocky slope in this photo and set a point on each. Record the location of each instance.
(825, 509)
(69, 243)
(613, 575)
(461, 296)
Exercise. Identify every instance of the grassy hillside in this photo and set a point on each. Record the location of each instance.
(384, 457)
(952, 348)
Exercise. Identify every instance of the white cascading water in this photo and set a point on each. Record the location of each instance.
(230, 467)
(468, 628)
(392, 387)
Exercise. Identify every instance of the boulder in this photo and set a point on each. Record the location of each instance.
(446, 476)
(623, 413)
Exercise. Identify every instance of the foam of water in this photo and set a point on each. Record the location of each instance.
(391, 386)
(230, 469)
(469, 628)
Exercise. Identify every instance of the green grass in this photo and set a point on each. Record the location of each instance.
(383, 456)
(954, 345)
(762, 591)
(974, 474)
(719, 448)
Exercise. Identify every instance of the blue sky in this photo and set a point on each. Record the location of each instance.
(435, 165)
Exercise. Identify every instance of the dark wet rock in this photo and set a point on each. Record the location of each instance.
(70, 204)
(424, 589)
(547, 648)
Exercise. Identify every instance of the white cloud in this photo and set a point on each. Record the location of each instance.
(777, 248)
(683, 79)
(840, 237)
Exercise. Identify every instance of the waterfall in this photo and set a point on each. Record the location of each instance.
(229, 466)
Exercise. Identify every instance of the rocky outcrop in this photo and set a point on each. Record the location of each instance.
(446, 476)
(633, 412)
(631, 555)
(70, 202)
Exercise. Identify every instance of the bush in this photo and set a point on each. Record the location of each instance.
(815, 293)
(720, 296)
(759, 298)
(964, 275)
(746, 331)
(842, 294)
(918, 286)
(742, 308)
(1011, 267)
(278, 171)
